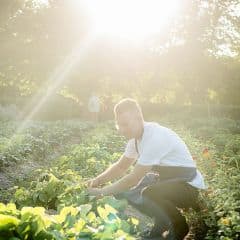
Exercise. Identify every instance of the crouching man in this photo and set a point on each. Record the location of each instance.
(164, 177)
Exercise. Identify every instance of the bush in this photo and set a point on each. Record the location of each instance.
(9, 112)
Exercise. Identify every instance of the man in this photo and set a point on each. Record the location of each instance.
(94, 107)
(164, 177)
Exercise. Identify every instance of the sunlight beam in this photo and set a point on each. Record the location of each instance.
(57, 78)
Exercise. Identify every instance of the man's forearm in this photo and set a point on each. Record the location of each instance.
(121, 185)
(109, 174)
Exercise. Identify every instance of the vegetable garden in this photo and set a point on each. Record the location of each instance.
(46, 165)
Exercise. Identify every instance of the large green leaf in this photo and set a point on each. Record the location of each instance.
(8, 222)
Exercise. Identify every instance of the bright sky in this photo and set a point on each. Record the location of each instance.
(129, 19)
(133, 19)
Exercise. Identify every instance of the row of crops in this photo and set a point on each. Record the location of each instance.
(51, 202)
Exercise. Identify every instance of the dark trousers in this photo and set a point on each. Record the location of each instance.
(161, 200)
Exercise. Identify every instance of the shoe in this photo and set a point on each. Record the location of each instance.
(157, 234)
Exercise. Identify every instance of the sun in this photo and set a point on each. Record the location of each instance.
(135, 19)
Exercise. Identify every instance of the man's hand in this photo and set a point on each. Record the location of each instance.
(97, 192)
(93, 183)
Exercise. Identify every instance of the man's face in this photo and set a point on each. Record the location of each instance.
(129, 125)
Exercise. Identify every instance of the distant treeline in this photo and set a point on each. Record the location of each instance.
(60, 108)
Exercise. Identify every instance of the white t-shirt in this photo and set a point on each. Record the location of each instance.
(162, 146)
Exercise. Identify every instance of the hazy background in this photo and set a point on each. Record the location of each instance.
(55, 53)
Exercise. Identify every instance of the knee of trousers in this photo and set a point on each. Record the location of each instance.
(128, 195)
(147, 192)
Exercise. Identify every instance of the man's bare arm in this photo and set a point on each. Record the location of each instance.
(116, 170)
(127, 181)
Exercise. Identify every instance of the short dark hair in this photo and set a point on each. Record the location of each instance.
(127, 105)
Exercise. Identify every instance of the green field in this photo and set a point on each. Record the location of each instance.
(44, 167)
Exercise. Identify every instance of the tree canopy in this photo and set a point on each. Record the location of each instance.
(47, 46)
